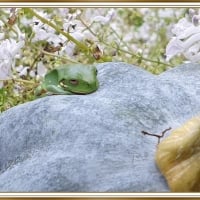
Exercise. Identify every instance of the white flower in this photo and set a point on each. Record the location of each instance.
(173, 48)
(186, 39)
(19, 68)
(21, 36)
(69, 48)
(181, 26)
(143, 32)
(5, 69)
(8, 51)
(105, 20)
(25, 21)
(63, 11)
(32, 73)
(9, 48)
(193, 52)
(42, 31)
(77, 35)
(24, 71)
(165, 13)
(41, 34)
(56, 39)
(41, 69)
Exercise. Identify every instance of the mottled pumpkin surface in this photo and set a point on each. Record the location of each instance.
(178, 157)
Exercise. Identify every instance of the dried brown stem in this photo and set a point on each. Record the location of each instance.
(156, 135)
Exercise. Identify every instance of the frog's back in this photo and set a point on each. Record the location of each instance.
(78, 71)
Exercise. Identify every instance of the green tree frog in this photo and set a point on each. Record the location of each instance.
(69, 79)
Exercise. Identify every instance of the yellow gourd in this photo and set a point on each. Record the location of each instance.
(178, 157)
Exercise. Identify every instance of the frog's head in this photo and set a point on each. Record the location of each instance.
(78, 78)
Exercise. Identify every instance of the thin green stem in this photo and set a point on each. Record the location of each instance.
(24, 81)
(34, 61)
(61, 57)
(87, 27)
(81, 45)
(19, 80)
(8, 27)
(138, 56)
(122, 50)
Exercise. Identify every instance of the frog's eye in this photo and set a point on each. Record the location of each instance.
(96, 71)
(73, 81)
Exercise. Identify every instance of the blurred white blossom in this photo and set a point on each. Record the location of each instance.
(41, 69)
(63, 12)
(43, 31)
(105, 19)
(32, 73)
(24, 71)
(9, 49)
(186, 39)
(165, 13)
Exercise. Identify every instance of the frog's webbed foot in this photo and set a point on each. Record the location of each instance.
(39, 91)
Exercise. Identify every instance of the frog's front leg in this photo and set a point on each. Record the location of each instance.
(39, 90)
(53, 89)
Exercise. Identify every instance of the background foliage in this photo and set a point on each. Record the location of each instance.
(34, 41)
